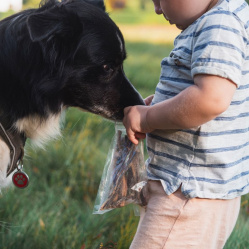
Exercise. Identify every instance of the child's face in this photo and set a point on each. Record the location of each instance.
(182, 12)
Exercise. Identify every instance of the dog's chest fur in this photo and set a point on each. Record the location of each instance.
(38, 130)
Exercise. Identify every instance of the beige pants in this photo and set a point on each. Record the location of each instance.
(175, 222)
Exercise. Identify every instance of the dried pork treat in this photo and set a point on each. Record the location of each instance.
(125, 165)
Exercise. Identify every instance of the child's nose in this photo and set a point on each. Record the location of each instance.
(157, 7)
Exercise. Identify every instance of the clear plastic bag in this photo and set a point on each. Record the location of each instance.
(124, 179)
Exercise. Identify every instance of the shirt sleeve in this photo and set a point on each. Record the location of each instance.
(219, 46)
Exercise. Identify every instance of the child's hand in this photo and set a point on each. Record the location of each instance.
(149, 99)
(135, 122)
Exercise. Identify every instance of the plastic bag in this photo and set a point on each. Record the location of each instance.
(124, 179)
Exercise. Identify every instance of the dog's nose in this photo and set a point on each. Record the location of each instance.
(133, 98)
(140, 100)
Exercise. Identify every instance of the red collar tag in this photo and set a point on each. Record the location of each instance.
(20, 178)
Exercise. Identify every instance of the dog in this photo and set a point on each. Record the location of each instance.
(62, 54)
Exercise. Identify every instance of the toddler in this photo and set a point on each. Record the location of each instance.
(197, 128)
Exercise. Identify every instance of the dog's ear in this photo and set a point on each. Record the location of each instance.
(98, 3)
(53, 22)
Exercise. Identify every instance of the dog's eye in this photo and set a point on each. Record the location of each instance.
(108, 68)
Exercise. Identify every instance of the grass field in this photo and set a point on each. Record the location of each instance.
(55, 211)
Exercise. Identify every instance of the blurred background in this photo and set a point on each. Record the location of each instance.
(55, 211)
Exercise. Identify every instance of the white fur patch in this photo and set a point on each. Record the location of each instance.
(4, 162)
(100, 110)
(40, 130)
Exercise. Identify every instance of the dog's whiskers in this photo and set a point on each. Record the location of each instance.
(7, 226)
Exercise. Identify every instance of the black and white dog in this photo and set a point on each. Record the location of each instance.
(63, 54)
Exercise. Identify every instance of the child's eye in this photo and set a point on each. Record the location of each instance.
(107, 68)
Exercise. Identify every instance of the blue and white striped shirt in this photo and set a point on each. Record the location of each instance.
(212, 160)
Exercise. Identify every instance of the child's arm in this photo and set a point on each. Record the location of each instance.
(209, 97)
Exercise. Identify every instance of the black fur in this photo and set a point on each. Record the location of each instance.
(63, 54)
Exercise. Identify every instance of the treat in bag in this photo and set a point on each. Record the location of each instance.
(124, 179)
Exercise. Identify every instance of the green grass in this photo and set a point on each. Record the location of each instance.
(143, 65)
(134, 15)
(55, 211)
(5, 14)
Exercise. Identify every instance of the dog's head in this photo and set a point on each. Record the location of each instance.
(86, 50)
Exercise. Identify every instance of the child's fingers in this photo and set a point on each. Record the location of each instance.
(132, 137)
(140, 135)
(132, 134)
(148, 100)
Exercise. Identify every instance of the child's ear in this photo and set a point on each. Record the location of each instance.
(53, 22)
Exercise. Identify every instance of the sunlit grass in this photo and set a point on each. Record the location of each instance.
(55, 211)
(134, 15)
(143, 65)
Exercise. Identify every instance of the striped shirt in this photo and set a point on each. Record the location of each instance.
(212, 160)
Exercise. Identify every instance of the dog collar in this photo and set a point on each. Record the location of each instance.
(15, 141)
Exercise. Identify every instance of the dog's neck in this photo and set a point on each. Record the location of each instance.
(38, 130)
